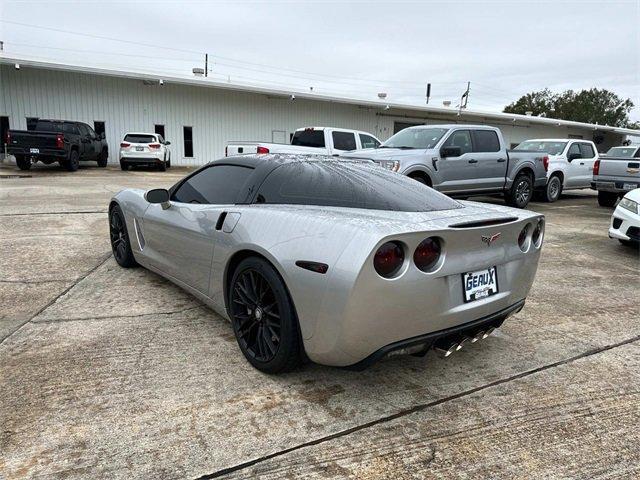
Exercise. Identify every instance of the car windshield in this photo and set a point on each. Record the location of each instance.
(552, 148)
(420, 138)
(349, 184)
(136, 138)
(622, 152)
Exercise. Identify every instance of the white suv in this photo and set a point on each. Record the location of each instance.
(570, 164)
(144, 149)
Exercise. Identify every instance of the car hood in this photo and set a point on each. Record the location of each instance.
(634, 195)
(377, 154)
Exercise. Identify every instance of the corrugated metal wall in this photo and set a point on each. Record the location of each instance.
(216, 115)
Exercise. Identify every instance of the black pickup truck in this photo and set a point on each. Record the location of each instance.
(50, 141)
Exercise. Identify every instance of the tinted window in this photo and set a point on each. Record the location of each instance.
(46, 126)
(92, 132)
(343, 140)
(349, 184)
(219, 184)
(70, 128)
(485, 141)
(188, 141)
(367, 141)
(99, 127)
(575, 148)
(552, 148)
(84, 130)
(420, 138)
(460, 138)
(308, 138)
(587, 150)
(136, 138)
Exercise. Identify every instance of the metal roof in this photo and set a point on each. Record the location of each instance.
(382, 105)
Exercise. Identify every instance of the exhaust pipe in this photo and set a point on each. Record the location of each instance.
(488, 332)
(446, 351)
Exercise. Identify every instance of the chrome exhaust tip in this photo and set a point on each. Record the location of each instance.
(462, 343)
(488, 332)
(477, 336)
(453, 348)
(446, 351)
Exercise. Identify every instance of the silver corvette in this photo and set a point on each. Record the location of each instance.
(337, 261)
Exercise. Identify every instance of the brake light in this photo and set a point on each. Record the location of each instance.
(596, 167)
(125, 145)
(154, 146)
(388, 259)
(427, 254)
(545, 162)
(262, 150)
(59, 141)
(523, 238)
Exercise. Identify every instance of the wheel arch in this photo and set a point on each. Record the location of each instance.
(527, 170)
(419, 173)
(558, 173)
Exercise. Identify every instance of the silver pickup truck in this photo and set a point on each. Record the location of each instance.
(615, 173)
(461, 161)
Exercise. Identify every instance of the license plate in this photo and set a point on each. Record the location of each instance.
(140, 149)
(480, 284)
(629, 186)
(34, 150)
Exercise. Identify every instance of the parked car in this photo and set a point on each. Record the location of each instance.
(144, 149)
(310, 140)
(570, 164)
(62, 141)
(625, 221)
(615, 174)
(462, 160)
(338, 260)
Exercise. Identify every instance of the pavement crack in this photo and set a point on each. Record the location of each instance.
(415, 409)
(104, 317)
(103, 259)
(51, 213)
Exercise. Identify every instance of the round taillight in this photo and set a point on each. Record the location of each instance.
(523, 238)
(427, 254)
(388, 259)
(538, 233)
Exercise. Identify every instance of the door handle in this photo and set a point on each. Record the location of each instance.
(473, 161)
(501, 160)
(220, 221)
(581, 163)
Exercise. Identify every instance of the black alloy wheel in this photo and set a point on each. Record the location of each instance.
(263, 317)
(120, 245)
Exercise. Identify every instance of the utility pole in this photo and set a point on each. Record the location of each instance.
(428, 92)
(206, 64)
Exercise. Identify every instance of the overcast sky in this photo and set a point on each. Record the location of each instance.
(360, 48)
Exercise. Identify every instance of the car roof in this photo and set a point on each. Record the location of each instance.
(557, 140)
(140, 133)
(256, 160)
(454, 125)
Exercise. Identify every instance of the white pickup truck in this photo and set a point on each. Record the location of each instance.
(309, 140)
(570, 164)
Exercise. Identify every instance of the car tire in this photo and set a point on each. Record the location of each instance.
(119, 236)
(23, 163)
(552, 190)
(162, 166)
(73, 162)
(124, 166)
(521, 190)
(607, 199)
(263, 317)
(103, 159)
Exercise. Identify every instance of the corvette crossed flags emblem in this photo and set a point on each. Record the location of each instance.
(489, 239)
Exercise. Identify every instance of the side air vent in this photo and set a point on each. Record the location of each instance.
(139, 235)
(484, 223)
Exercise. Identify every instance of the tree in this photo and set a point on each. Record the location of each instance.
(589, 106)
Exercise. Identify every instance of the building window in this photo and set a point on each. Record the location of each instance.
(159, 130)
(99, 128)
(188, 141)
(31, 123)
(4, 128)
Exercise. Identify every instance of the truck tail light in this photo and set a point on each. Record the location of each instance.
(154, 146)
(59, 141)
(388, 259)
(125, 145)
(545, 162)
(262, 150)
(596, 167)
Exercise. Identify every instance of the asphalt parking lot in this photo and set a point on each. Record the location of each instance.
(115, 373)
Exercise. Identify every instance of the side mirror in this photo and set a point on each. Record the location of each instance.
(158, 195)
(167, 143)
(573, 156)
(102, 136)
(450, 152)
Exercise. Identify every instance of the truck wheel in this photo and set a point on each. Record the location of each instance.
(73, 162)
(607, 199)
(520, 192)
(552, 191)
(419, 177)
(103, 158)
(23, 162)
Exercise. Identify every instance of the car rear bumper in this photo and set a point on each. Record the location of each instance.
(148, 160)
(42, 152)
(618, 186)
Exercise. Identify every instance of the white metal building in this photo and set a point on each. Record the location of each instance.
(213, 113)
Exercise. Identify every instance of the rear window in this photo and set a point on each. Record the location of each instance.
(45, 126)
(349, 184)
(485, 141)
(133, 138)
(621, 152)
(308, 138)
(552, 148)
